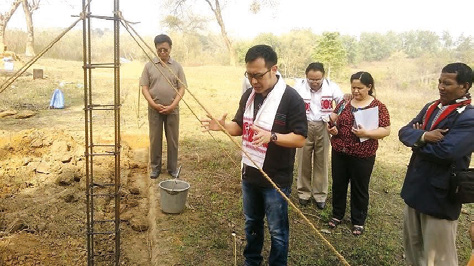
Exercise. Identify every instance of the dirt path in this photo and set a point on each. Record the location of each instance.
(157, 251)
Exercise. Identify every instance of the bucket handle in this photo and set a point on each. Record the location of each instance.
(176, 177)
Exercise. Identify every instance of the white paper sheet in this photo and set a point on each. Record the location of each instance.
(368, 119)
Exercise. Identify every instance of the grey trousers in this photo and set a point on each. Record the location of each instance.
(170, 123)
(429, 241)
(313, 163)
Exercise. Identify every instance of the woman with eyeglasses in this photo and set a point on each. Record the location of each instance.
(354, 147)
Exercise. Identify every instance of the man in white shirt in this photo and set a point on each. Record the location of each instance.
(318, 93)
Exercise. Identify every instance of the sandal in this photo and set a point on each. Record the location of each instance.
(357, 230)
(333, 223)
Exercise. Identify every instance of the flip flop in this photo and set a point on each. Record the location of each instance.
(357, 230)
(333, 223)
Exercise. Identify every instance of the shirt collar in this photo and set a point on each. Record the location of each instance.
(269, 90)
(458, 100)
(156, 60)
(464, 98)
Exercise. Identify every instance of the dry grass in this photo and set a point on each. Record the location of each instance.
(202, 235)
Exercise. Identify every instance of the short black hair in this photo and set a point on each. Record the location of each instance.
(366, 79)
(315, 66)
(463, 73)
(262, 51)
(163, 38)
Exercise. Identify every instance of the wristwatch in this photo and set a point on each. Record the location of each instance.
(273, 137)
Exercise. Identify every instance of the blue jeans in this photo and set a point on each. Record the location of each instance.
(258, 202)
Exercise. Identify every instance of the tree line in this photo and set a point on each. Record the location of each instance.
(296, 49)
(195, 45)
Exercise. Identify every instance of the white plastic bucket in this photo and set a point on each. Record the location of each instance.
(173, 195)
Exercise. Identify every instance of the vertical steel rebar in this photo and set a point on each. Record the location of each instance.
(89, 107)
(90, 146)
(117, 106)
(86, 133)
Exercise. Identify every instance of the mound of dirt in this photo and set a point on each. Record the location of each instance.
(43, 199)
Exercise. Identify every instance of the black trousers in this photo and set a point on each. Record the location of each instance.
(356, 171)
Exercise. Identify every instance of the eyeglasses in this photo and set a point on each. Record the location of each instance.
(162, 50)
(256, 76)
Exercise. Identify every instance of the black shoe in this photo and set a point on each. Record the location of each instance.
(155, 174)
(321, 205)
(304, 202)
(175, 174)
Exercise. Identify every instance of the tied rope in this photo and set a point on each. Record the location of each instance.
(328, 244)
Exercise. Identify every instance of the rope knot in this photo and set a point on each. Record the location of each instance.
(119, 14)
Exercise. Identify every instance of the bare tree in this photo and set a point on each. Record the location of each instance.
(189, 23)
(29, 6)
(257, 5)
(4, 19)
(215, 7)
(189, 26)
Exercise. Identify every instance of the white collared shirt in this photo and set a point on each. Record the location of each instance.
(319, 103)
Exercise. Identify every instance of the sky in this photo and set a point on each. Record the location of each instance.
(349, 17)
